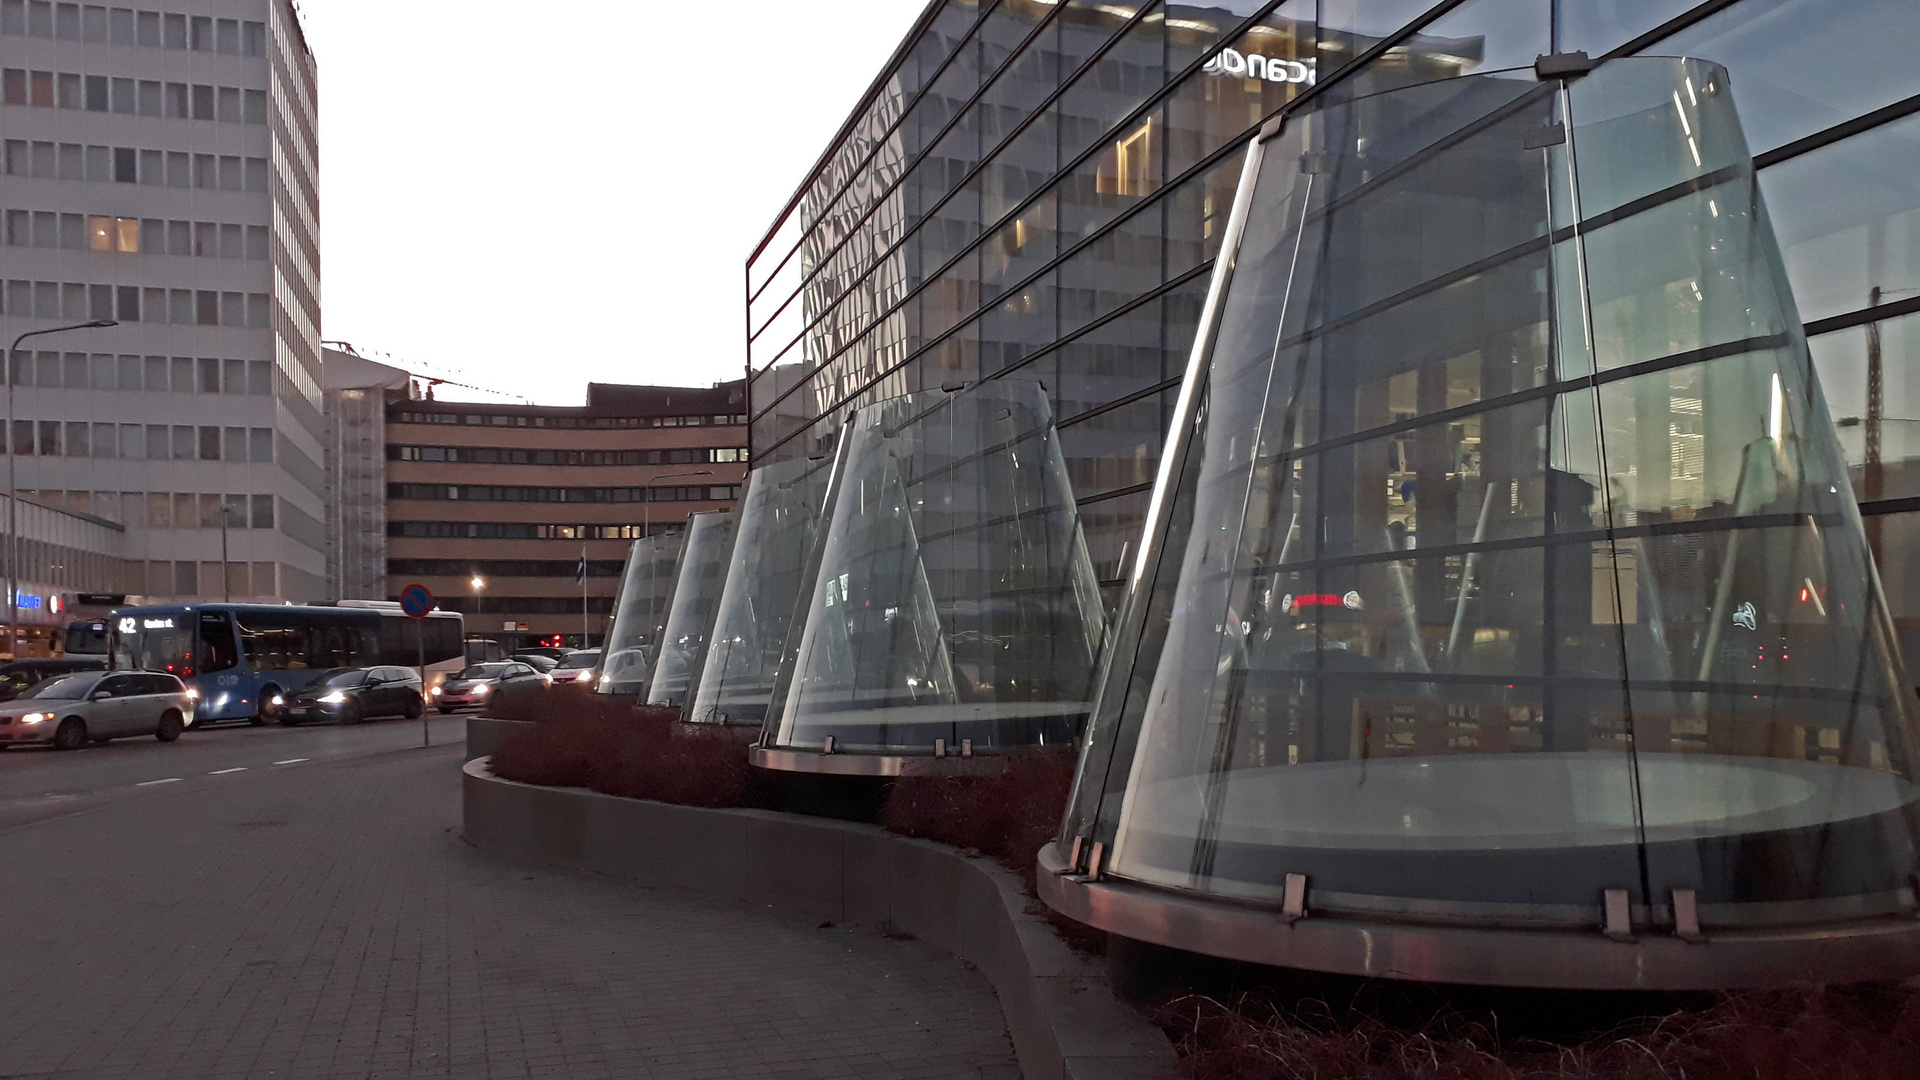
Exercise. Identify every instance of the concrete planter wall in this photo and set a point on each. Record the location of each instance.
(1062, 1016)
(486, 734)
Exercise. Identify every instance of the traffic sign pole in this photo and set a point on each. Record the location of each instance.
(417, 602)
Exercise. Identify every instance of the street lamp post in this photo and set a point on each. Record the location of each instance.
(13, 491)
(226, 575)
(478, 583)
(646, 505)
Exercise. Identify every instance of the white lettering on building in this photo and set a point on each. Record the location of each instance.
(1233, 64)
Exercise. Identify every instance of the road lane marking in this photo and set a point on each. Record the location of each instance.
(223, 772)
(150, 783)
(291, 761)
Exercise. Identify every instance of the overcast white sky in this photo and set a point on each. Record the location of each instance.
(529, 197)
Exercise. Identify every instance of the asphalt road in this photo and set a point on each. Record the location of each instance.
(41, 782)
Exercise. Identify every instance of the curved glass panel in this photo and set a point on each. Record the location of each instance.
(696, 594)
(1507, 555)
(776, 527)
(639, 615)
(953, 597)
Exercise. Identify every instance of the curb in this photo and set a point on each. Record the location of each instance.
(1058, 1007)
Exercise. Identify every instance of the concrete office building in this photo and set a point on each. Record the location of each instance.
(1038, 190)
(161, 170)
(517, 495)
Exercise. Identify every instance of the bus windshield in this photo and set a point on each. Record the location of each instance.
(155, 641)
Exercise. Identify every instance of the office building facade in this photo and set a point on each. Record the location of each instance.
(1038, 190)
(519, 495)
(161, 171)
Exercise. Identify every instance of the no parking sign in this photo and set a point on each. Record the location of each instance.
(416, 601)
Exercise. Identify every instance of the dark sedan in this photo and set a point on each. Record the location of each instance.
(19, 675)
(350, 695)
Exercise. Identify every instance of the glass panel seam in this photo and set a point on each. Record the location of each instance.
(1846, 129)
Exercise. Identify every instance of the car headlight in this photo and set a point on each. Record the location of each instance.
(36, 718)
(276, 700)
(193, 694)
(334, 698)
(435, 691)
(482, 688)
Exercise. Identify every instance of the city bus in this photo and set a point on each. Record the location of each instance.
(239, 657)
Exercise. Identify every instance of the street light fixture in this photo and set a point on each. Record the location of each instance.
(13, 491)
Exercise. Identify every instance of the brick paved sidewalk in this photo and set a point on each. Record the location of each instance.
(327, 921)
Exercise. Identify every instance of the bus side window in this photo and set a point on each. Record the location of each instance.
(218, 649)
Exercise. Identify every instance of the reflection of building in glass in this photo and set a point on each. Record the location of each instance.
(640, 614)
(952, 606)
(696, 593)
(764, 578)
(975, 219)
(1504, 616)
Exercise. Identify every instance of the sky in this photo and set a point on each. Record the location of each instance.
(530, 197)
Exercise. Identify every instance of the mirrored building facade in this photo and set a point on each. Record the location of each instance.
(1039, 189)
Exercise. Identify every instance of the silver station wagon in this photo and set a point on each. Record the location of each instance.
(97, 706)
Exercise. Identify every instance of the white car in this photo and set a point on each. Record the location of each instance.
(97, 706)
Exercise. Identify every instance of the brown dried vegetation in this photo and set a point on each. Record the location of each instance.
(643, 753)
(1856, 1033)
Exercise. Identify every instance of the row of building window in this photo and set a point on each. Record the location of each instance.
(501, 568)
(164, 509)
(130, 26)
(525, 605)
(131, 303)
(135, 236)
(132, 97)
(536, 494)
(151, 374)
(520, 530)
(162, 577)
(141, 442)
(502, 420)
(132, 165)
(500, 455)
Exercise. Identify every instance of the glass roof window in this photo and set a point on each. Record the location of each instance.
(702, 572)
(640, 615)
(951, 606)
(1506, 575)
(763, 579)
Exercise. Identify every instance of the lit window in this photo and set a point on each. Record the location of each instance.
(100, 233)
(127, 233)
(1129, 171)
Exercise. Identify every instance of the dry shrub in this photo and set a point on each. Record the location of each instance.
(1008, 815)
(642, 753)
(1859, 1033)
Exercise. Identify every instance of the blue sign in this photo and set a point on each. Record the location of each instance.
(416, 601)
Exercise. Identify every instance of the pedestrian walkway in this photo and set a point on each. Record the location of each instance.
(325, 920)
